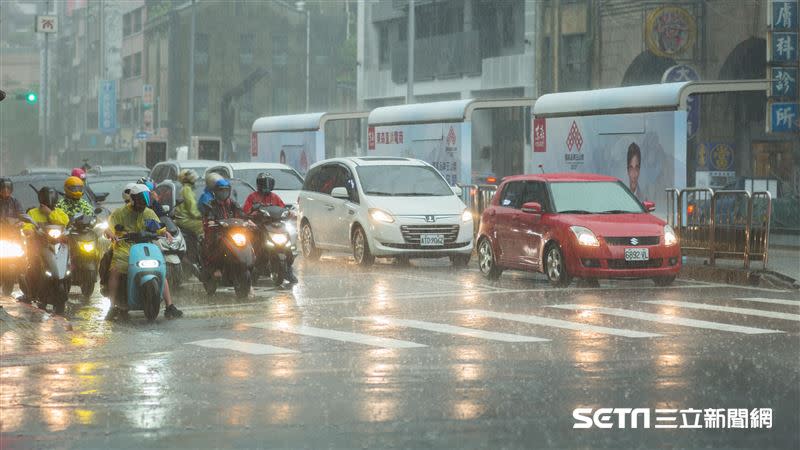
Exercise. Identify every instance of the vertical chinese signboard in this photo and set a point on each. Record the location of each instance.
(783, 56)
(107, 107)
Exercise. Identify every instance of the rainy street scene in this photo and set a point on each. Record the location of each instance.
(414, 224)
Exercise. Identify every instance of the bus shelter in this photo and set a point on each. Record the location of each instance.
(300, 140)
(638, 134)
(470, 141)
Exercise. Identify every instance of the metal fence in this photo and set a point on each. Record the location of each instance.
(477, 198)
(721, 224)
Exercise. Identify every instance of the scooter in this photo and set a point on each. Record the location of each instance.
(174, 251)
(275, 252)
(12, 254)
(237, 259)
(83, 252)
(142, 288)
(51, 264)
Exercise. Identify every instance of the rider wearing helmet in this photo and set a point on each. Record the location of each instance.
(208, 192)
(222, 206)
(263, 195)
(134, 217)
(73, 202)
(80, 173)
(126, 194)
(155, 205)
(187, 216)
(10, 207)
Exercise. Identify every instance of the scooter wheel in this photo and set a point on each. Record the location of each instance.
(278, 273)
(174, 276)
(87, 284)
(244, 284)
(59, 301)
(210, 286)
(151, 300)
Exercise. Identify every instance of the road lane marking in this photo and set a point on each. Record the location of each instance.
(451, 329)
(667, 319)
(343, 336)
(729, 309)
(244, 347)
(556, 323)
(775, 301)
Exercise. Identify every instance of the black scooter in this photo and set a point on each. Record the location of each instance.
(237, 258)
(48, 253)
(83, 253)
(274, 249)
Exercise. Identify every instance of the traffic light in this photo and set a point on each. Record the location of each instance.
(30, 97)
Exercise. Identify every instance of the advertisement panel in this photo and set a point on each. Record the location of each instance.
(647, 151)
(297, 149)
(439, 144)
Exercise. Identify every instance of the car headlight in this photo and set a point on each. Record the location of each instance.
(87, 246)
(466, 216)
(380, 215)
(669, 236)
(239, 239)
(279, 238)
(54, 233)
(148, 264)
(585, 236)
(10, 250)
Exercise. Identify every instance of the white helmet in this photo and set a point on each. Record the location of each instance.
(126, 194)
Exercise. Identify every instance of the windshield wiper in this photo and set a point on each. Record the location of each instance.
(617, 211)
(379, 193)
(414, 194)
(575, 211)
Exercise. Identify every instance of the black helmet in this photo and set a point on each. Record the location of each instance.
(6, 184)
(265, 183)
(48, 197)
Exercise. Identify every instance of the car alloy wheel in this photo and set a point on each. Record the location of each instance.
(361, 251)
(486, 260)
(556, 267)
(307, 242)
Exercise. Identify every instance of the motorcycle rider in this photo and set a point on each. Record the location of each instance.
(222, 206)
(187, 215)
(134, 217)
(46, 213)
(73, 202)
(80, 173)
(265, 197)
(10, 207)
(208, 192)
(155, 205)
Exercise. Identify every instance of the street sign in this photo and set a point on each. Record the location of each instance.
(46, 24)
(685, 72)
(107, 107)
(142, 135)
(783, 15)
(784, 117)
(782, 47)
(783, 82)
(147, 95)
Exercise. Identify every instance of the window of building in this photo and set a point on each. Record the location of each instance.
(201, 46)
(439, 19)
(280, 46)
(137, 20)
(246, 44)
(136, 69)
(507, 22)
(383, 45)
(201, 118)
(126, 24)
(127, 67)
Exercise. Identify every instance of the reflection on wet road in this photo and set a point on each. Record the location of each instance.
(394, 356)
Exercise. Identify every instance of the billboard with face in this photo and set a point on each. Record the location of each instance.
(647, 151)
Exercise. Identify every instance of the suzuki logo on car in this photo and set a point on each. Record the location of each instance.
(430, 218)
(634, 241)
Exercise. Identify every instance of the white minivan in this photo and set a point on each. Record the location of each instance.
(383, 207)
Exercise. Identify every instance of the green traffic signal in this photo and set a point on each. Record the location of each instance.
(31, 98)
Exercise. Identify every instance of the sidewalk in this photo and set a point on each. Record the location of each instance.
(783, 270)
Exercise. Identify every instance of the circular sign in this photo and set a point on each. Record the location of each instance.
(670, 31)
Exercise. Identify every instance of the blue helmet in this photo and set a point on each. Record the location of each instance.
(147, 181)
(222, 190)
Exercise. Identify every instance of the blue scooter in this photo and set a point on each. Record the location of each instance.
(144, 284)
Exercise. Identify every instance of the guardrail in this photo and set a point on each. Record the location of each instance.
(477, 198)
(721, 224)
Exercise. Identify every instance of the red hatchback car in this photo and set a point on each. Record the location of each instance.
(575, 225)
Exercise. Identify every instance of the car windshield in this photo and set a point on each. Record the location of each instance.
(593, 197)
(400, 181)
(285, 179)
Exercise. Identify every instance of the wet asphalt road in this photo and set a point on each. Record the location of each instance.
(403, 357)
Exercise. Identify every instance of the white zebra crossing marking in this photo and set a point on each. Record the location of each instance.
(451, 329)
(545, 321)
(730, 309)
(668, 319)
(244, 347)
(775, 301)
(344, 336)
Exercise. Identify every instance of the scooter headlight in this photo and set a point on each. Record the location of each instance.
(54, 233)
(87, 247)
(279, 238)
(10, 249)
(239, 239)
(103, 225)
(148, 264)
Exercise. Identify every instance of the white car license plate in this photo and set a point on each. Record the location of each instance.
(637, 254)
(431, 240)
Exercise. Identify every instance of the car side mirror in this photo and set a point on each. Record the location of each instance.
(532, 208)
(101, 196)
(457, 190)
(649, 206)
(340, 192)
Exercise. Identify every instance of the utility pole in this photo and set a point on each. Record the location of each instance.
(555, 39)
(410, 37)
(45, 91)
(190, 125)
(308, 58)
